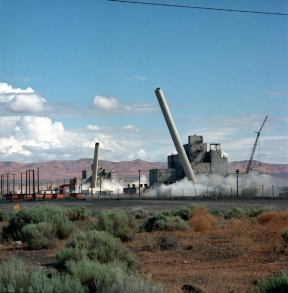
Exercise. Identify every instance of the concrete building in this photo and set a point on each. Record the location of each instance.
(102, 174)
(201, 159)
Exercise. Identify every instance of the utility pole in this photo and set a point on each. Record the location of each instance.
(34, 194)
(29, 181)
(38, 175)
(1, 191)
(139, 182)
(26, 183)
(21, 183)
(237, 172)
(13, 183)
(7, 174)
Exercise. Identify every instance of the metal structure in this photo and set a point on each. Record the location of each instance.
(254, 147)
(175, 136)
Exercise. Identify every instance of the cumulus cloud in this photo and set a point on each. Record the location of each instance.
(104, 103)
(26, 103)
(18, 100)
(92, 127)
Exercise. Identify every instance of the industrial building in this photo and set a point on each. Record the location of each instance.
(192, 158)
(202, 161)
(102, 174)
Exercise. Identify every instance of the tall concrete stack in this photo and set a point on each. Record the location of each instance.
(175, 136)
(95, 167)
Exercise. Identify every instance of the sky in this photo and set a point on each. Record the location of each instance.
(76, 72)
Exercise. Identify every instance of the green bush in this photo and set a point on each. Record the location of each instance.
(235, 213)
(284, 234)
(191, 210)
(184, 213)
(53, 214)
(3, 216)
(238, 213)
(275, 284)
(114, 279)
(163, 221)
(97, 246)
(37, 236)
(67, 254)
(15, 276)
(255, 212)
(116, 222)
(110, 278)
(78, 213)
(139, 213)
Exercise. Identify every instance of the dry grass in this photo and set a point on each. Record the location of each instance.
(201, 220)
(223, 256)
(230, 256)
(275, 217)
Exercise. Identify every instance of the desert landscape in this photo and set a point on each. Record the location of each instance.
(220, 254)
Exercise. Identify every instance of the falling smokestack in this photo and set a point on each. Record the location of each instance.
(95, 166)
(175, 136)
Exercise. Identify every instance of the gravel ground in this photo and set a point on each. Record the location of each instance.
(97, 206)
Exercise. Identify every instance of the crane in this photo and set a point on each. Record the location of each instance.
(254, 147)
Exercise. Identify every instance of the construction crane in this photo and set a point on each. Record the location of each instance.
(254, 147)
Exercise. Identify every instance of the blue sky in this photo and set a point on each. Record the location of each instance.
(75, 72)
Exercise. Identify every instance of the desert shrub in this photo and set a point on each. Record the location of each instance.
(284, 235)
(166, 241)
(116, 222)
(235, 213)
(37, 236)
(139, 213)
(163, 222)
(274, 284)
(238, 213)
(272, 216)
(183, 213)
(78, 213)
(3, 216)
(202, 222)
(110, 278)
(255, 212)
(114, 279)
(15, 276)
(35, 215)
(67, 254)
(97, 246)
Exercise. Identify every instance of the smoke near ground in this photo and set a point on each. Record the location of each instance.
(252, 184)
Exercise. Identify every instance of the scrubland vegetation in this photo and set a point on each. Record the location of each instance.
(241, 250)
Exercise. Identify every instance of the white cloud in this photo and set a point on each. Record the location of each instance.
(104, 103)
(92, 127)
(18, 100)
(142, 154)
(26, 103)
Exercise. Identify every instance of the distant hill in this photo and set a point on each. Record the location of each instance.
(60, 170)
(259, 167)
(128, 170)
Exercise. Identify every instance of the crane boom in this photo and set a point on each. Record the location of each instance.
(254, 147)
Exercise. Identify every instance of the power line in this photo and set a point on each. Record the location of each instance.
(199, 7)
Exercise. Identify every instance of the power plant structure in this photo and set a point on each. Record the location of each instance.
(97, 174)
(202, 160)
(192, 158)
